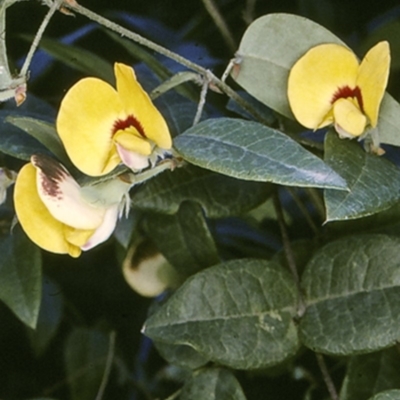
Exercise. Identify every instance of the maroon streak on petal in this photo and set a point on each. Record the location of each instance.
(122, 124)
(345, 92)
(52, 173)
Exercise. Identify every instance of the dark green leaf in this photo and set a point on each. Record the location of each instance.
(44, 132)
(352, 296)
(212, 384)
(370, 374)
(15, 142)
(374, 182)
(180, 355)
(21, 276)
(183, 238)
(49, 317)
(220, 196)
(77, 58)
(85, 357)
(387, 395)
(251, 151)
(238, 314)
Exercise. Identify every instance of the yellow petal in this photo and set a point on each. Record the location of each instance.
(372, 79)
(133, 142)
(85, 125)
(137, 102)
(77, 237)
(36, 220)
(316, 77)
(350, 120)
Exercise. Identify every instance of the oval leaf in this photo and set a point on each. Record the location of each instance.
(85, 351)
(212, 384)
(352, 294)
(220, 196)
(387, 395)
(370, 374)
(21, 276)
(251, 151)
(238, 314)
(183, 238)
(374, 182)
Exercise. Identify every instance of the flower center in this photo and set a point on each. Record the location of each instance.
(345, 91)
(130, 121)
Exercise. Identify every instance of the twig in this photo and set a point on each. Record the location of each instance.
(214, 81)
(53, 8)
(303, 210)
(108, 366)
(289, 252)
(220, 23)
(202, 102)
(327, 378)
(318, 203)
(248, 13)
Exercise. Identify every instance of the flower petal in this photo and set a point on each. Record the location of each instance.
(133, 160)
(85, 123)
(372, 79)
(61, 194)
(104, 231)
(40, 226)
(137, 101)
(127, 139)
(316, 77)
(349, 120)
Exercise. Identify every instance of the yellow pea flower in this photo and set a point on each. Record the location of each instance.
(328, 85)
(101, 127)
(59, 215)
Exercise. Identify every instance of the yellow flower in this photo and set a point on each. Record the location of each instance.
(59, 215)
(328, 85)
(101, 126)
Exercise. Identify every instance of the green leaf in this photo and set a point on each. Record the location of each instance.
(180, 355)
(389, 121)
(370, 374)
(387, 395)
(251, 151)
(212, 384)
(239, 314)
(268, 50)
(374, 182)
(220, 196)
(49, 317)
(44, 132)
(15, 142)
(77, 58)
(85, 357)
(21, 276)
(183, 238)
(352, 296)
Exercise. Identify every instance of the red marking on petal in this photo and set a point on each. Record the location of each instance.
(121, 124)
(345, 92)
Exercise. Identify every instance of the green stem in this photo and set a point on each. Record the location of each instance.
(289, 253)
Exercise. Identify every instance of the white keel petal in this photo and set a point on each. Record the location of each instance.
(104, 231)
(62, 196)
